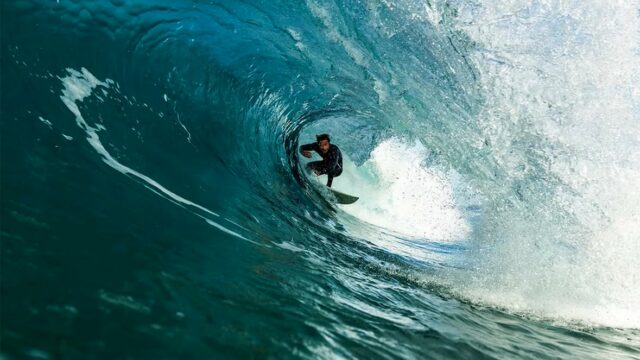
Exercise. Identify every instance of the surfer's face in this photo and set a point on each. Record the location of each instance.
(324, 146)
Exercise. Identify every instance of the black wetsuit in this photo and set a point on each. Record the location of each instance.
(331, 163)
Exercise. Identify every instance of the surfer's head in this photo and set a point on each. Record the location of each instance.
(323, 142)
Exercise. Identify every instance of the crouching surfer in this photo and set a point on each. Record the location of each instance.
(331, 163)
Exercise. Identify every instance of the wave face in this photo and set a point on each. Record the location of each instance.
(153, 202)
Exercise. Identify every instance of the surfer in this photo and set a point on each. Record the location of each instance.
(331, 164)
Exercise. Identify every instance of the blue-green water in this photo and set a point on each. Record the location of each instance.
(153, 204)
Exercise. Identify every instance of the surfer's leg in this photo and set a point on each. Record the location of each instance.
(332, 175)
(317, 166)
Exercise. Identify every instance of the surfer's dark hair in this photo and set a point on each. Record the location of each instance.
(323, 137)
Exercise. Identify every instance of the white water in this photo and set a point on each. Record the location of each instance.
(562, 117)
(559, 236)
(399, 192)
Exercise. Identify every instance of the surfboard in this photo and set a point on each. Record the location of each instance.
(344, 198)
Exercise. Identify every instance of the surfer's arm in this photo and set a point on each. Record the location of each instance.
(307, 148)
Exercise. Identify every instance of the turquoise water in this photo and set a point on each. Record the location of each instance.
(153, 204)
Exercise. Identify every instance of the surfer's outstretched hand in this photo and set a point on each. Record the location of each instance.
(316, 172)
(306, 153)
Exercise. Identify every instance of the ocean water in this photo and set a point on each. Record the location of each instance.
(153, 204)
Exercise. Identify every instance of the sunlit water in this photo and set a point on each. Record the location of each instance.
(153, 204)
